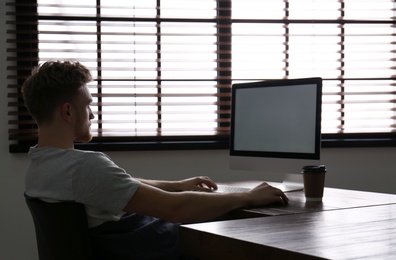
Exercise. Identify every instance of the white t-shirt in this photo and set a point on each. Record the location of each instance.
(87, 177)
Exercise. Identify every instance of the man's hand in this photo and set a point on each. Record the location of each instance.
(265, 194)
(201, 183)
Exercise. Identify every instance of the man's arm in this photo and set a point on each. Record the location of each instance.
(188, 207)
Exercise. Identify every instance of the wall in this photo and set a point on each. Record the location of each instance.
(353, 168)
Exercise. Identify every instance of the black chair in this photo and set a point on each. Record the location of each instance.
(61, 229)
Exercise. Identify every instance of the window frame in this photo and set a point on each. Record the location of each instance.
(25, 61)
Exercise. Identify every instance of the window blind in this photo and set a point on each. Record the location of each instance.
(163, 69)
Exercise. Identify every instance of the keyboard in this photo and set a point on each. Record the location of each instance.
(231, 189)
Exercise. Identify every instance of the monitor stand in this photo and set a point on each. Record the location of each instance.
(291, 182)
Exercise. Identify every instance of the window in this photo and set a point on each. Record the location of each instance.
(163, 69)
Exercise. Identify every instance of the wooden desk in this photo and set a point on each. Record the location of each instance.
(333, 199)
(355, 233)
(346, 225)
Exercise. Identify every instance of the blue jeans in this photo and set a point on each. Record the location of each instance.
(136, 237)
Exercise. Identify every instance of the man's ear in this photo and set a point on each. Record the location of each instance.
(65, 111)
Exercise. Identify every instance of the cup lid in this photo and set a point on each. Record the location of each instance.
(314, 168)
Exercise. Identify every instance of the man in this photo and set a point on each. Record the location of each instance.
(128, 217)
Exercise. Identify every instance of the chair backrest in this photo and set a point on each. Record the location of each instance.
(61, 229)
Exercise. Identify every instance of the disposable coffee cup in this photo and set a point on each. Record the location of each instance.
(314, 180)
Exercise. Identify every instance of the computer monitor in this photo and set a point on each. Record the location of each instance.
(276, 127)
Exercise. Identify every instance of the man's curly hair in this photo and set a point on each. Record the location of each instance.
(51, 84)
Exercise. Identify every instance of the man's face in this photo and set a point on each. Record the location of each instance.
(83, 116)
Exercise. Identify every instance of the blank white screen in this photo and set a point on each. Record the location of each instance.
(276, 119)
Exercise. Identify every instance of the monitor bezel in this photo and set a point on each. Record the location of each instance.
(317, 81)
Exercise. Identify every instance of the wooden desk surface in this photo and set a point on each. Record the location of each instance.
(333, 199)
(354, 233)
